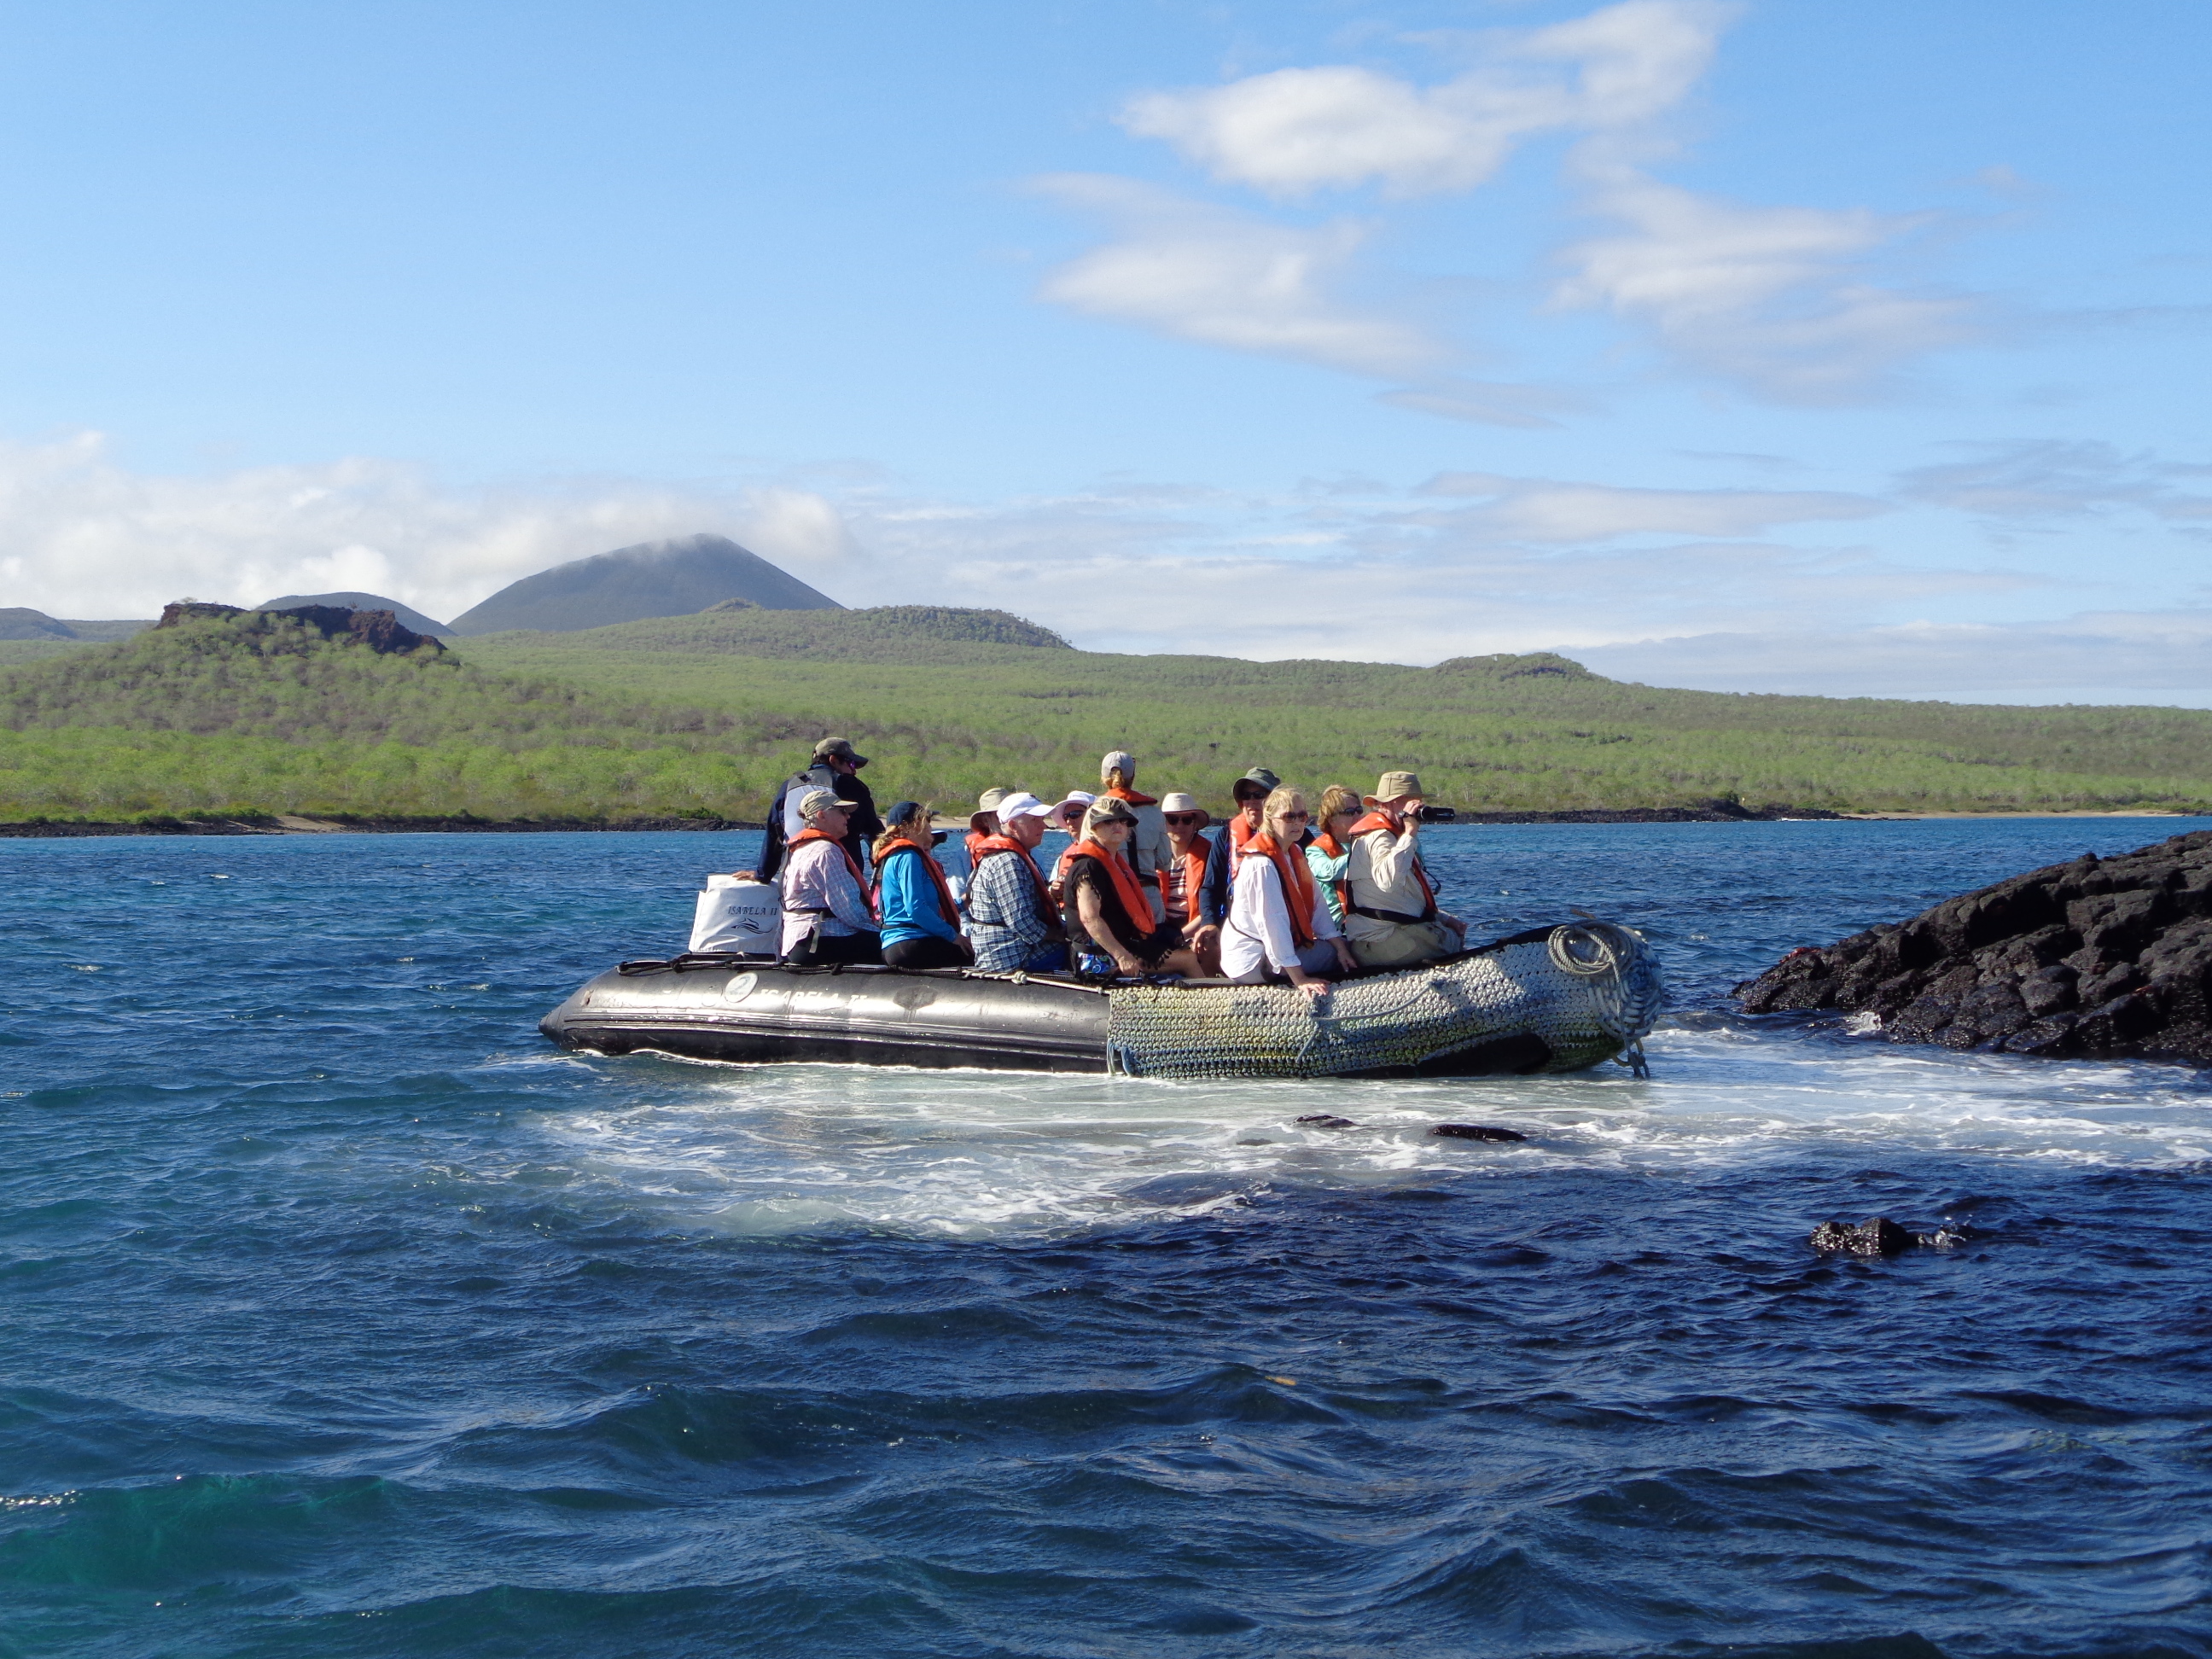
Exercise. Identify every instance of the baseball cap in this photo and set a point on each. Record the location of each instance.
(815, 802)
(841, 748)
(1120, 761)
(1021, 805)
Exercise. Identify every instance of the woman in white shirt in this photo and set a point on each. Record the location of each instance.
(1278, 921)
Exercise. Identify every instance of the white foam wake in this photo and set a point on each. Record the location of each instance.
(773, 1149)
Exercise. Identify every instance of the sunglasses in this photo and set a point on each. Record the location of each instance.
(1184, 817)
(1287, 817)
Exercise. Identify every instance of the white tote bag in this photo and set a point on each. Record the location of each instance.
(738, 916)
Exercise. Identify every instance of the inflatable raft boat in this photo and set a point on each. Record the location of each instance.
(1552, 1000)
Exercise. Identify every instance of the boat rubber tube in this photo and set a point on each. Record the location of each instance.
(940, 1017)
(1552, 1000)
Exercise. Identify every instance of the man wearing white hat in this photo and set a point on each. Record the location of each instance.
(1012, 921)
(1148, 842)
(1390, 913)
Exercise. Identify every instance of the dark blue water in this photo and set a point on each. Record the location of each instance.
(342, 1317)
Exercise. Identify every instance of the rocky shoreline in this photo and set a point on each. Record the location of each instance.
(1705, 812)
(2100, 958)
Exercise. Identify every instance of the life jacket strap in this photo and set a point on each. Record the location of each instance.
(1398, 916)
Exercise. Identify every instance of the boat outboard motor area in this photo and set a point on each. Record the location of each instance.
(1552, 1000)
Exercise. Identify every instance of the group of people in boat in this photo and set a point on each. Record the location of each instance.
(1296, 887)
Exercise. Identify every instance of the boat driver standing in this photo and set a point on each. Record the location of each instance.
(836, 767)
(1390, 913)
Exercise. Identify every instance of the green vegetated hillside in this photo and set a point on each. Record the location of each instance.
(14, 653)
(261, 714)
(703, 714)
(1508, 733)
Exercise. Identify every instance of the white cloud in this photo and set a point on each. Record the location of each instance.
(1228, 279)
(1388, 576)
(1774, 297)
(1470, 563)
(87, 537)
(1783, 302)
(1550, 510)
(1297, 130)
(1485, 403)
(2056, 479)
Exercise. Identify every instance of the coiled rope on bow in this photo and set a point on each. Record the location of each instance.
(1615, 956)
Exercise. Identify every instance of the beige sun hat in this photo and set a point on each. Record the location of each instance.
(1176, 800)
(1394, 786)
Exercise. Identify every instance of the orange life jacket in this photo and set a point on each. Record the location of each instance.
(843, 851)
(984, 847)
(1239, 833)
(947, 906)
(1125, 794)
(1136, 904)
(1297, 882)
(1391, 821)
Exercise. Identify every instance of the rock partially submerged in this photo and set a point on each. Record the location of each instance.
(1476, 1132)
(2108, 957)
(1877, 1235)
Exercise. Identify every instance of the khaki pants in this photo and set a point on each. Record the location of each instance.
(1405, 944)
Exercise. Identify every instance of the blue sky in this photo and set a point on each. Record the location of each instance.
(1770, 346)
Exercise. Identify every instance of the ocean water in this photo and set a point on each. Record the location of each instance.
(340, 1316)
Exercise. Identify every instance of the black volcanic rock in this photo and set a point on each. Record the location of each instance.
(2098, 957)
(407, 617)
(1878, 1236)
(631, 584)
(380, 630)
(20, 622)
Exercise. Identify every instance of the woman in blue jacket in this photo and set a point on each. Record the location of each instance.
(921, 920)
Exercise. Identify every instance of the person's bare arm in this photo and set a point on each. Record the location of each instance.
(1094, 922)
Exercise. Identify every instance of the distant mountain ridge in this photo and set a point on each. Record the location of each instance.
(19, 621)
(407, 616)
(676, 577)
(886, 632)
